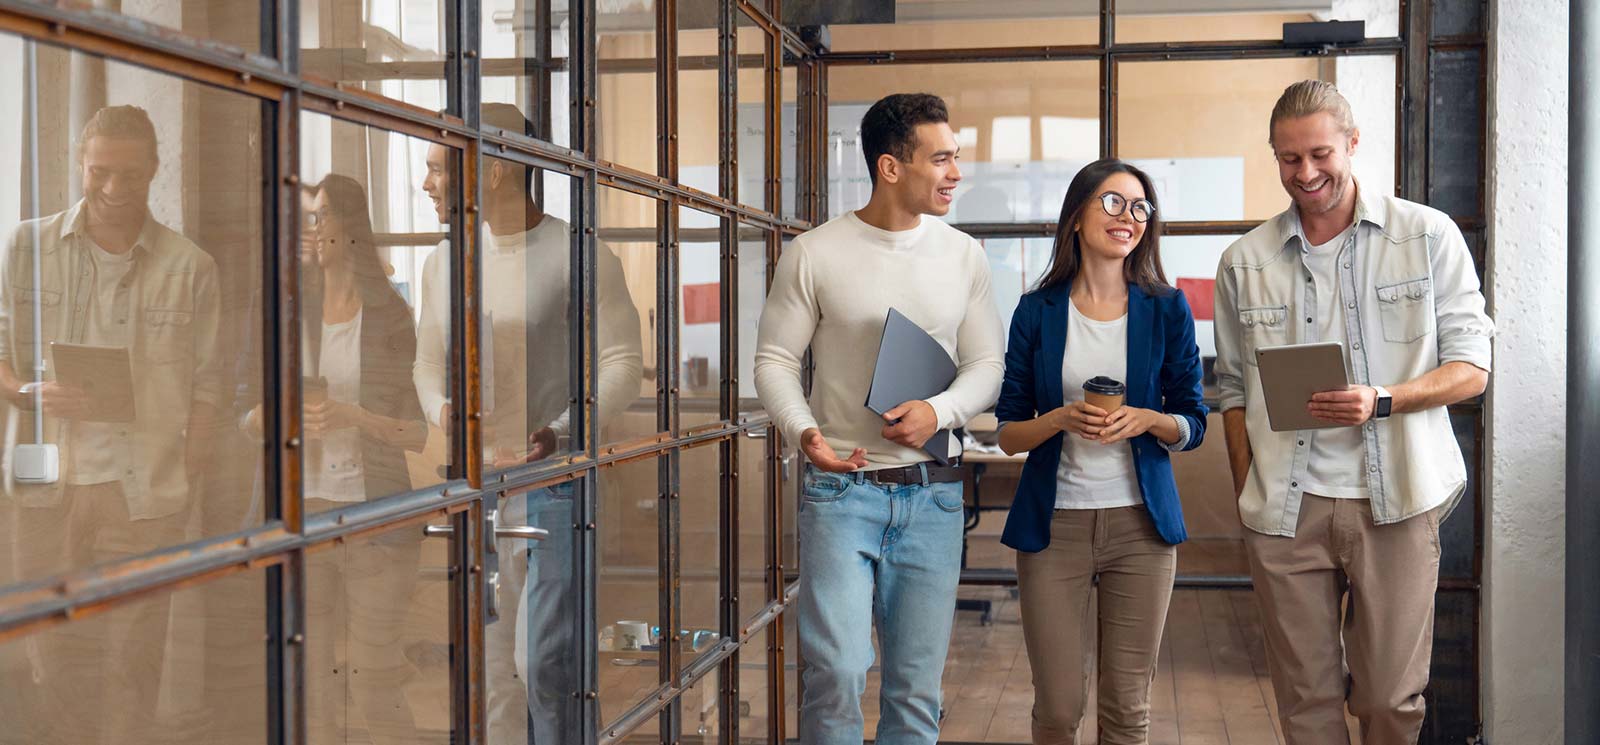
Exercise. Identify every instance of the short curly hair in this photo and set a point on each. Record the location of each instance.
(890, 126)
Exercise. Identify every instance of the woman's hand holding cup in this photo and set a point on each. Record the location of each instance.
(1080, 418)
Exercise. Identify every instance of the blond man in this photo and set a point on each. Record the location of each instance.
(1343, 538)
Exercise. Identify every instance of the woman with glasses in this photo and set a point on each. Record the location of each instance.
(1102, 382)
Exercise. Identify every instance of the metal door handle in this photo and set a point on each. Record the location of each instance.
(522, 531)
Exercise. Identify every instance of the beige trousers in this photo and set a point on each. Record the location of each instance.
(1386, 576)
(1135, 568)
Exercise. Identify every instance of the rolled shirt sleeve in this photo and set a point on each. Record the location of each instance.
(1465, 329)
(1226, 332)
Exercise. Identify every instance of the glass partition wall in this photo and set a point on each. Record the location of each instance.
(382, 371)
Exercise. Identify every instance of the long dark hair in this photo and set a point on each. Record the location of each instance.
(1142, 267)
(348, 200)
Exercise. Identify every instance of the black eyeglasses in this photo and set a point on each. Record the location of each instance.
(1115, 204)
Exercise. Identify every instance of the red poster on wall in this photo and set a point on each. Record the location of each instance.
(702, 303)
(1199, 292)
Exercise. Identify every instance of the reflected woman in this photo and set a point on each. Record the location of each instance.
(360, 416)
(1097, 499)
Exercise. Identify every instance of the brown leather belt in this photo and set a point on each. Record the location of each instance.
(937, 474)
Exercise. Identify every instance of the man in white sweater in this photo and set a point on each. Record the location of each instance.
(525, 326)
(880, 522)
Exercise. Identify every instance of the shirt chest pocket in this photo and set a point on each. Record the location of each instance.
(1263, 326)
(44, 303)
(167, 334)
(1406, 310)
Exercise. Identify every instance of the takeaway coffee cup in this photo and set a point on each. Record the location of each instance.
(1106, 393)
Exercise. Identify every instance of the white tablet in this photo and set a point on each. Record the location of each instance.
(1291, 374)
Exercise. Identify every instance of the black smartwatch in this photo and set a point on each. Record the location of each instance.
(1384, 404)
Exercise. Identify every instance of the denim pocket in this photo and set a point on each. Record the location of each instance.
(949, 496)
(821, 486)
(1263, 327)
(1405, 310)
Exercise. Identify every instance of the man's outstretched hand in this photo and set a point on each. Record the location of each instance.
(823, 456)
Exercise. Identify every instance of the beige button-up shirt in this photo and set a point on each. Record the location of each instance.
(1412, 304)
(169, 301)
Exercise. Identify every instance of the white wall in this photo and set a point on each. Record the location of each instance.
(1524, 552)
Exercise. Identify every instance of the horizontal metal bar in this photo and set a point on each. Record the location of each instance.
(761, 619)
(1140, 52)
(660, 698)
(760, 17)
(1048, 229)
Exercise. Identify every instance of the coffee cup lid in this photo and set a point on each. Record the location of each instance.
(1104, 386)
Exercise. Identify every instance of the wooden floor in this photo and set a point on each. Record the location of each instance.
(1211, 685)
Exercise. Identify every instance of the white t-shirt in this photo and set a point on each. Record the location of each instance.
(334, 469)
(1092, 476)
(1336, 461)
(100, 451)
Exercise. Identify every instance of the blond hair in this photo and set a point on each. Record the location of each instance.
(1309, 97)
(122, 122)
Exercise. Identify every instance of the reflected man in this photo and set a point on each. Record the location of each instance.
(527, 392)
(110, 281)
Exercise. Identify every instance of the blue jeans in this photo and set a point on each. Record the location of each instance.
(891, 554)
(547, 614)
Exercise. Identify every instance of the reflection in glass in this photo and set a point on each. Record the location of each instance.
(131, 263)
(1218, 165)
(373, 379)
(627, 315)
(753, 516)
(393, 48)
(233, 22)
(702, 710)
(378, 639)
(626, 44)
(525, 64)
(699, 518)
(750, 116)
(700, 316)
(789, 138)
(627, 601)
(699, 127)
(755, 690)
(525, 322)
(752, 263)
(131, 675)
(1006, 177)
(532, 667)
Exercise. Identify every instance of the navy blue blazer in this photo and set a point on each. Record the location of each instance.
(1163, 375)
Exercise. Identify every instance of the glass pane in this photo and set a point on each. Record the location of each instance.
(526, 64)
(700, 317)
(1458, 533)
(130, 306)
(1218, 166)
(1211, 21)
(789, 138)
(930, 26)
(394, 48)
(1025, 128)
(702, 712)
(791, 677)
(375, 339)
(627, 54)
(628, 593)
(159, 669)
(528, 384)
(699, 103)
(755, 709)
(378, 638)
(626, 276)
(532, 668)
(233, 22)
(1015, 266)
(751, 115)
(752, 262)
(700, 550)
(753, 517)
(1456, 132)
(1457, 18)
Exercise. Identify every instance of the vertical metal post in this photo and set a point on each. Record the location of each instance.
(1411, 155)
(1583, 376)
(1108, 79)
(584, 81)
